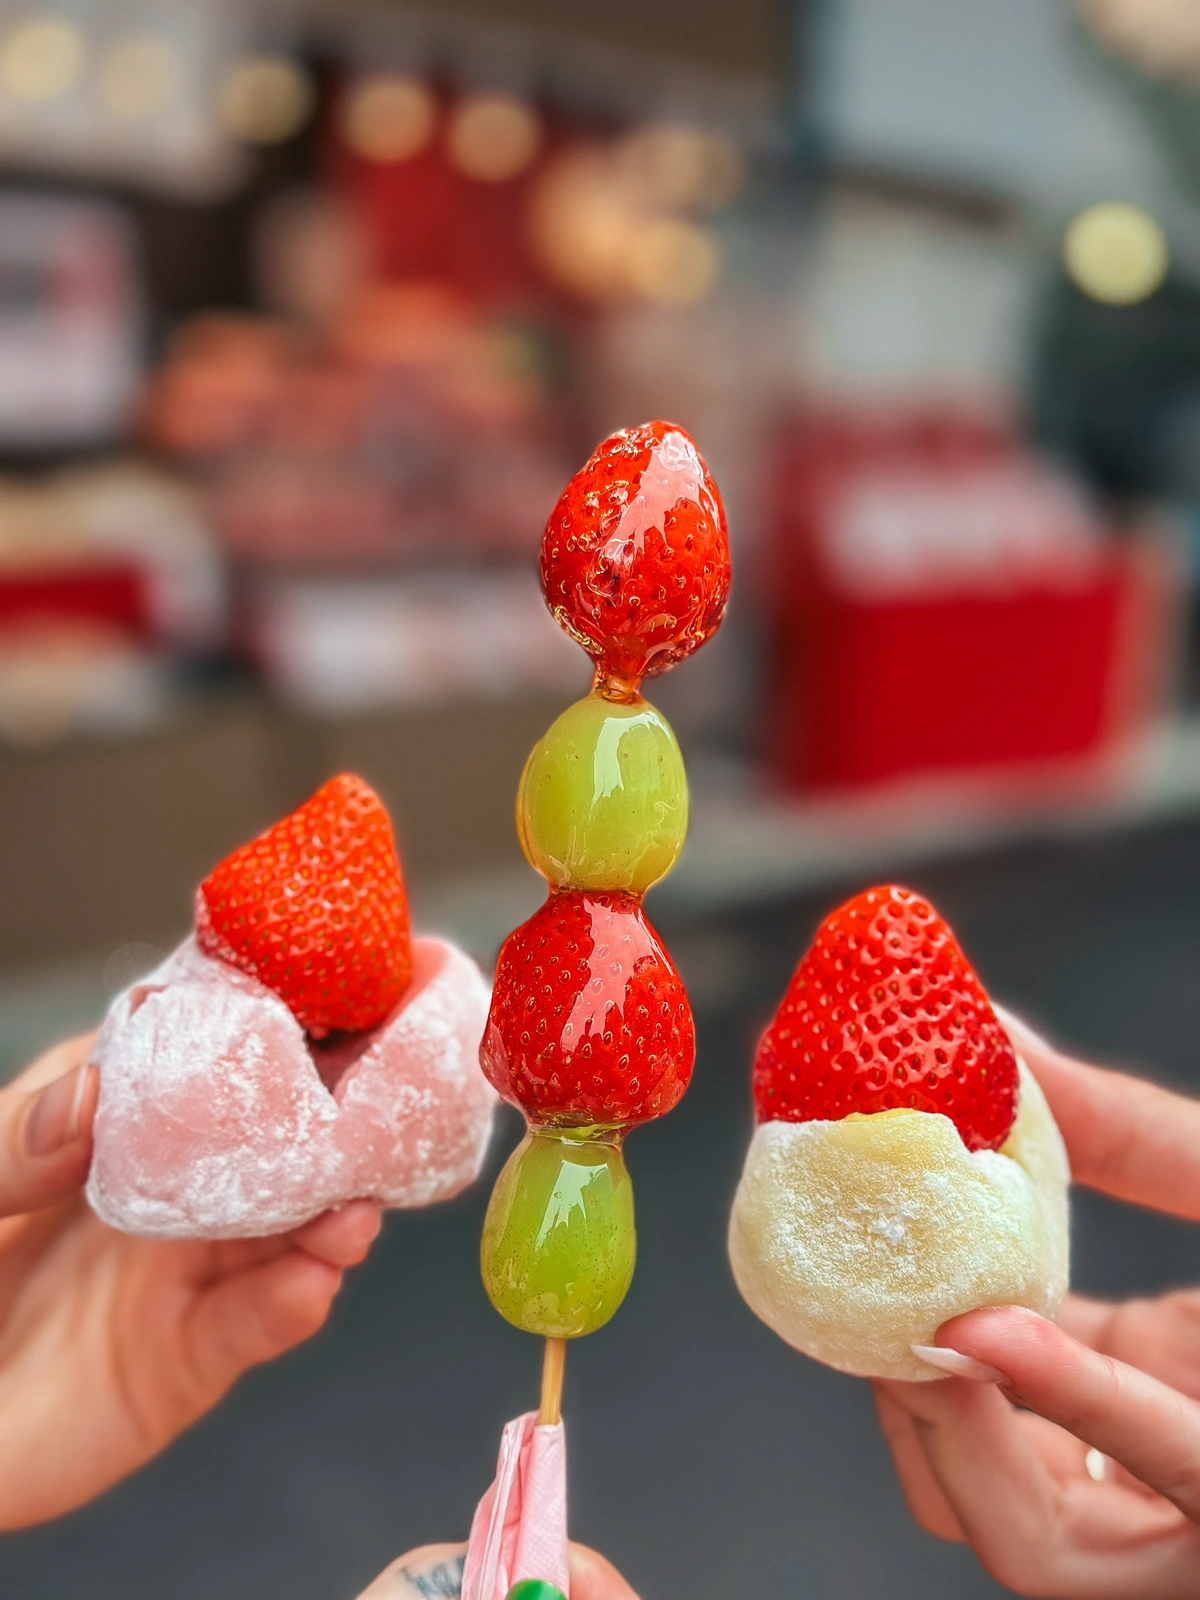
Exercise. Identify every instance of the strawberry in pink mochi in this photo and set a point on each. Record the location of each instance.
(298, 1050)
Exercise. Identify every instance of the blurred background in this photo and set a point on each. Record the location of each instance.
(307, 312)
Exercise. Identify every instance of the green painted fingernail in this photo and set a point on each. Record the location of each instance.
(535, 1589)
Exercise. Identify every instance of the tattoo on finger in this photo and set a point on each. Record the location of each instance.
(442, 1581)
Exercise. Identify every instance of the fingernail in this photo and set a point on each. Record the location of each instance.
(956, 1364)
(53, 1123)
(535, 1589)
(1095, 1465)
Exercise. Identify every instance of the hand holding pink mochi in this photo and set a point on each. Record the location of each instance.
(214, 1121)
(220, 1117)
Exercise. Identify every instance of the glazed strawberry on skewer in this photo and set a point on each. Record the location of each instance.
(635, 561)
(906, 1167)
(300, 1049)
(590, 1032)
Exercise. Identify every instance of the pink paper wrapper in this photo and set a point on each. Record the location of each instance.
(520, 1526)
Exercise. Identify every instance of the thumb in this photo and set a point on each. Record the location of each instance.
(46, 1139)
(594, 1578)
(1151, 1429)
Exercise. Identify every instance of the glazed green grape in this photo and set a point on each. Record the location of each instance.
(603, 801)
(558, 1240)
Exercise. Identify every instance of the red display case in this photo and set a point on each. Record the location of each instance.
(943, 602)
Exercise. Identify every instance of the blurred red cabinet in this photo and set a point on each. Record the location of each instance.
(108, 592)
(943, 602)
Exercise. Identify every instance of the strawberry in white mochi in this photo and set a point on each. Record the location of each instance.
(906, 1167)
(299, 1050)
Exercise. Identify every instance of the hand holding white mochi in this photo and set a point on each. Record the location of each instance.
(905, 1169)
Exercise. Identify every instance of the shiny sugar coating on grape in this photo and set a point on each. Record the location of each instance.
(635, 558)
(559, 1243)
(590, 1022)
(603, 801)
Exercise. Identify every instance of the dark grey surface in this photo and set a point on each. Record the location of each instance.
(706, 1458)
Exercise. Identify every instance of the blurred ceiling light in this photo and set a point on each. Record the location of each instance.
(41, 57)
(140, 77)
(672, 262)
(1161, 37)
(265, 99)
(679, 165)
(581, 218)
(493, 137)
(1116, 253)
(311, 255)
(387, 117)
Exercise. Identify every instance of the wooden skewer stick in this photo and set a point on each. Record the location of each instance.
(553, 1363)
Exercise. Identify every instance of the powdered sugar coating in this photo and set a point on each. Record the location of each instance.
(214, 1121)
(856, 1239)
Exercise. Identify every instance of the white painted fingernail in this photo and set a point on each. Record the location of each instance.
(956, 1364)
(1095, 1464)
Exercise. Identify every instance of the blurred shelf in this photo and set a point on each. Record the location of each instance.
(103, 841)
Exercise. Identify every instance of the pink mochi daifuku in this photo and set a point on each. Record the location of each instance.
(219, 1118)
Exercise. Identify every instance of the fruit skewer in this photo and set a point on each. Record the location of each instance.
(590, 1032)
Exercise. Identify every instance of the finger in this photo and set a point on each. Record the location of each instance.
(1161, 1336)
(922, 1492)
(1125, 1137)
(1152, 1430)
(1087, 1320)
(1064, 1456)
(254, 1316)
(54, 1062)
(923, 1495)
(594, 1578)
(974, 1449)
(1033, 1532)
(222, 1258)
(342, 1237)
(434, 1569)
(46, 1140)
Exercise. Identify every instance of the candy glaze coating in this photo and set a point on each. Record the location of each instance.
(589, 1022)
(559, 1243)
(603, 802)
(635, 558)
(856, 1239)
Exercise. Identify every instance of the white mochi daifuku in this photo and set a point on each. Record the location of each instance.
(856, 1239)
(214, 1122)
